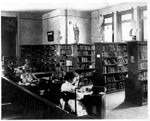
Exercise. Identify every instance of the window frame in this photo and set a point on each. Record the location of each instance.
(130, 11)
(111, 15)
(142, 18)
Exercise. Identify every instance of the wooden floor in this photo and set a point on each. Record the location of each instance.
(116, 108)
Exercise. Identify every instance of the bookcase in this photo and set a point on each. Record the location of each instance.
(61, 58)
(84, 60)
(111, 65)
(66, 52)
(43, 57)
(136, 83)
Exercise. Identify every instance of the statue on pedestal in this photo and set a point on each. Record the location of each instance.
(76, 33)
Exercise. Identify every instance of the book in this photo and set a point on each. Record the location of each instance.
(143, 65)
(142, 76)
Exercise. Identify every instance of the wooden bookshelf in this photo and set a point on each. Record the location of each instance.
(136, 84)
(62, 58)
(84, 54)
(66, 57)
(43, 57)
(111, 65)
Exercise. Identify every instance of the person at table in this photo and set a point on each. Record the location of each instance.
(27, 65)
(27, 78)
(70, 85)
(9, 70)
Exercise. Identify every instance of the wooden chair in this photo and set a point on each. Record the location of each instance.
(65, 96)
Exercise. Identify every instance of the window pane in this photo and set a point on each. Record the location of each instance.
(145, 29)
(126, 17)
(126, 27)
(108, 20)
(145, 14)
(108, 33)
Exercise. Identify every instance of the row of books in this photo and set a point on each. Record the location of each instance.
(121, 85)
(43, 57)
(142, 48)
(122, 53)
(110, 61)
(122, 61)
(115, 86)
(65, 47)
(85, 47)
(109, 54)
(93, 57)
(144, 99)
(110, 47)
(122, 69)
(28, 49)
(39, 47)
(84, 66)
(67, 68)
(114, 54)
(64, 52)
(49, 48)
(142, 76)
(144, 87)
(114, 47)
(52, 53)
(119, 61)
(120, 77)
(85, 53)
(143, 66)
(122, 48)
(111, 86)
(111, 69)
(143, 55)
(85, 59)
(116, 78)
(111, 79)
(86, 74)
(85, 81)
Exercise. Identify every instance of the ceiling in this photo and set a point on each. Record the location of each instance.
(49, 5)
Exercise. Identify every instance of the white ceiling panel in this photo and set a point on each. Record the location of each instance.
(59, 4)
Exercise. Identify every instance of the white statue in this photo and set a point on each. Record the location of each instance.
(76, 33)
(134, 29)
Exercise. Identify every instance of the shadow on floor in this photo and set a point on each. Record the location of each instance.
(125, 105)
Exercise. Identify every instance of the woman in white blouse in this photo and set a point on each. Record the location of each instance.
(70, 85)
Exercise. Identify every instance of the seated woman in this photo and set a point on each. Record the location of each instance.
(70, 86)
(9, 70)
(27, 78)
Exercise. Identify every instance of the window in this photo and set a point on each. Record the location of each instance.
(143, 17)
(125, 21)
(108, 28)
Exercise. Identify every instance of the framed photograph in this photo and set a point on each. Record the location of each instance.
(50, 36)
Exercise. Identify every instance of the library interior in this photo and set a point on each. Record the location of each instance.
(75, 64)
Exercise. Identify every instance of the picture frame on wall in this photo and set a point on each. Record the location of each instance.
(50, 36)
